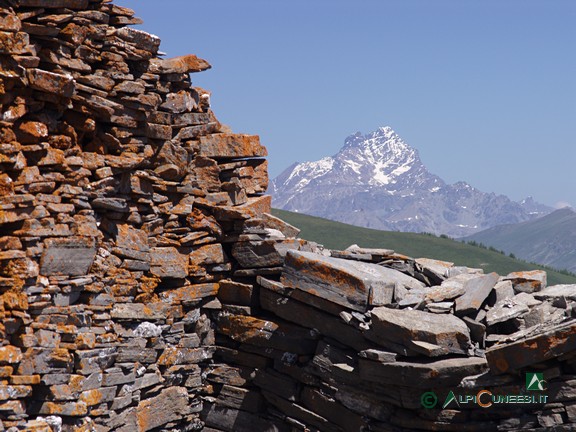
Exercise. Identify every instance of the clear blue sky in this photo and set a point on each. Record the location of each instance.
(485, 90)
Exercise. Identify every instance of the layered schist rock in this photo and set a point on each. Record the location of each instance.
(145, 287)
(123, 201)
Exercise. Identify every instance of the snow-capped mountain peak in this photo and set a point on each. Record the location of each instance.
(377, 180)
(382, 153)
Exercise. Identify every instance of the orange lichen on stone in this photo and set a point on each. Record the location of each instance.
(15, 299)
(25, 379)
(10, 354)
(231, 146)
(244, 328)
(183, 64)
(72, 409)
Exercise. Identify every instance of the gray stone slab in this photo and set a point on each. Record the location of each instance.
(311, 317)
(404, 327)
(477, 330)
(171, 404)
(566, 291)
(528, 299)
(72, 257)
(441, 307)
(168, 262)
(505, 310)
(528, 281)
(477, 290)
(422, 374)
(378, 355)
(504, 290)
(438, 268)
(546, 344)
(113, 204)
(265, 253)
(355, 285)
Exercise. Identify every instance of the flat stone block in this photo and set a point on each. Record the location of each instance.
(441, 334)
(528, 281)
(231, 146)
(167, 262)
(355, 285)
(422, 374)
(476, 291)
(72, 257)
(549, 343)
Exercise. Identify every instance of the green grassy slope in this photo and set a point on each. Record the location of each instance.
(336, 235)
(549, 239)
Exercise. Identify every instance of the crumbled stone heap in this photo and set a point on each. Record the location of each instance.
(144, 286)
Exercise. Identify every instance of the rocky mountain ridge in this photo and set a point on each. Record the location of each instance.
(378, 181)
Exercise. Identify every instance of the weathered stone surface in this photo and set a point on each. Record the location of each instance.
(189, 294)
(50, 82)
(14, 43)
(72, 257)
(178, 355)
(449, 289)
(440, 307)
(422, 374)
(231, 146)
(70, 409)
(266, 253)
(353, 285)
(550, 343)
(237, 293)
(312, 318)
(167, 262)
(449, 334)
(10, 354)
(476, 291)
(281, 336)
(303, 415)
(10, 22)
(183, 64)
(328, 407)
(171, 404)
(206, 255)
(229, 419)
(528, 281)
(140, 311)
(141, 39)
(504, 290)
(505, 310)
(566, 291)
(438, 270)
(113, 204)
(267, 222)
(378, 355)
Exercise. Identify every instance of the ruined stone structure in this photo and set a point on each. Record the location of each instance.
(144, 285)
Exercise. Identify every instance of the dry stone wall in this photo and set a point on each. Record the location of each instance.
(145, 286)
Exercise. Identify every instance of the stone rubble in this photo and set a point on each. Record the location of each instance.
(144, 285)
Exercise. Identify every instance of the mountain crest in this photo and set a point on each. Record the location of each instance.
(377, 180)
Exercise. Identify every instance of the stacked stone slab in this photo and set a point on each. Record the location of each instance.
(145, 286)
(351, 340)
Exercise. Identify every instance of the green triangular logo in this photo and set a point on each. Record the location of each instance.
(534, 381)
(451, 397)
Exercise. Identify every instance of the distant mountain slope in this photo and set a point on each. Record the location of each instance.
(378, 181)
(549, 240)
(336, 235)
